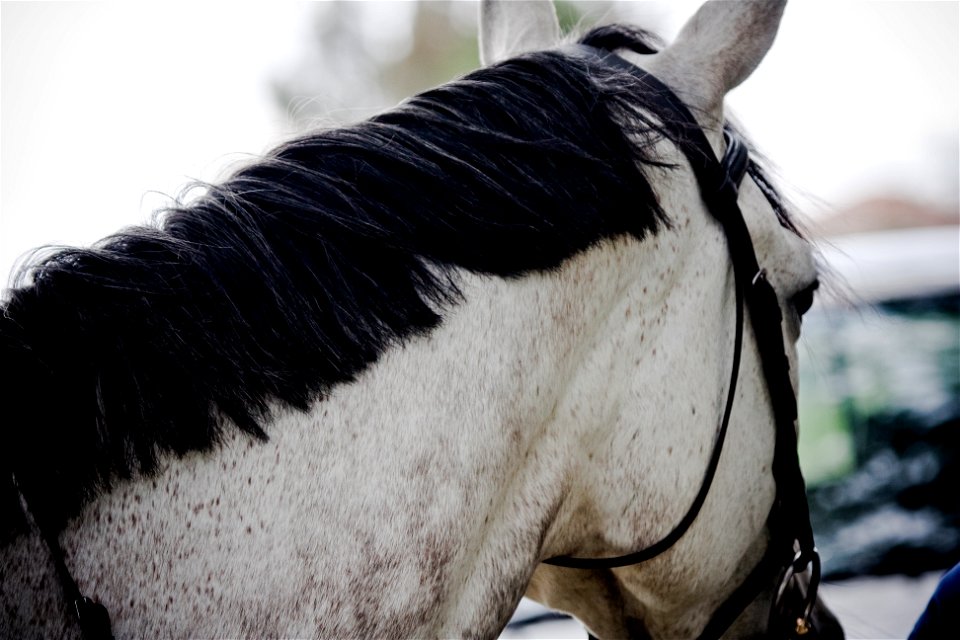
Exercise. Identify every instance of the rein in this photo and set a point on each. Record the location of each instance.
(791, 546)
(92, 617)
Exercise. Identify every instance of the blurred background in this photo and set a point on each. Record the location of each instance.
(108, 110)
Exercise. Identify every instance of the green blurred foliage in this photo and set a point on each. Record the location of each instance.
(363, 57)
(894, 363)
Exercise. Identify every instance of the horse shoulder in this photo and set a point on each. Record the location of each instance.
(397, 505)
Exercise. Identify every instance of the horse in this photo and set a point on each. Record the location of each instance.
(391, 377)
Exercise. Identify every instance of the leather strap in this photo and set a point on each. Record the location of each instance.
(92, 616)
(789, 519)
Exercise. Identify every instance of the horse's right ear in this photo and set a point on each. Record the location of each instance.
(508, 29)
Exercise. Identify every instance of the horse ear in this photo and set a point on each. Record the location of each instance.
(508, 29)
(718, 48)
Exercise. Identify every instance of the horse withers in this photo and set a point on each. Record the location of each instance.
(383, 381)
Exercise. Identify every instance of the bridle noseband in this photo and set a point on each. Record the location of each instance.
(791, 548)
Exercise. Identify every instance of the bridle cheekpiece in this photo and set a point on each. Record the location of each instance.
(791, 550)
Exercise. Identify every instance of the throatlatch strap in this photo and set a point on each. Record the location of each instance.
(693, 510)
(720, 196)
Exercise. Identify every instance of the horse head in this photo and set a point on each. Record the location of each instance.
(659, 377)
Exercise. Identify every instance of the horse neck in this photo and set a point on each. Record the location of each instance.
(425, 488)
(430, 487)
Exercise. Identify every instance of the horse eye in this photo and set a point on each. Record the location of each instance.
(803, 300)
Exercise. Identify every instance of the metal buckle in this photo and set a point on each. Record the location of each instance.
(800, 563)
(760, 275)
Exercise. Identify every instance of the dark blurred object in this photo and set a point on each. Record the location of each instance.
(885, 477)
(939, 619)
(898, 513)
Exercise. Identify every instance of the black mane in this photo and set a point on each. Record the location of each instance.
(298, 271)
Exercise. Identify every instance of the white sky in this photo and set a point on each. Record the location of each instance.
(105, 106)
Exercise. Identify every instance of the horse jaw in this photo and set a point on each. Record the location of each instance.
(509, 29)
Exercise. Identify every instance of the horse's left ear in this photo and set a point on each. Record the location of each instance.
(718, 48)
(508, 29)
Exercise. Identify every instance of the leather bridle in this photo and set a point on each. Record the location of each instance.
(790, 550)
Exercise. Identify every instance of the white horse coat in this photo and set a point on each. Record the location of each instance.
(566, 412)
